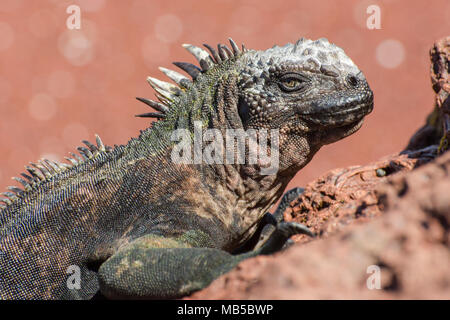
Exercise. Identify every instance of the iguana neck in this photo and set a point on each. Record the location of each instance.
(245, 194)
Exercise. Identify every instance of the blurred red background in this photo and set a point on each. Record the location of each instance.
(60, 86)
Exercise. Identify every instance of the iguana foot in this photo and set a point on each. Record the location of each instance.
(287, 198)
(272, 220)
(281, 235)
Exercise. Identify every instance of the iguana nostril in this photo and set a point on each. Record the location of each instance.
(352, 80)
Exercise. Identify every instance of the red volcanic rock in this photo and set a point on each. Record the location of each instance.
(437, 127)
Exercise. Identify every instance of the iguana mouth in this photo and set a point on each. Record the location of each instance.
(351, 127)
(339, 115)
(332, 134)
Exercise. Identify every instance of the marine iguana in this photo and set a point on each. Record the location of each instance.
(132, 223)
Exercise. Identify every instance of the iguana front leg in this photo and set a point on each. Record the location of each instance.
(269, 222)
(272, 220)
(154, 267)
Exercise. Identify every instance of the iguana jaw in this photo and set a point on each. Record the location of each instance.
(336, 115)
(340, 109)
(337, 133)
(341, 121)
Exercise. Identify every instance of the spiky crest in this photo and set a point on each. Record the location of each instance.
(167, 92)
(46, 169)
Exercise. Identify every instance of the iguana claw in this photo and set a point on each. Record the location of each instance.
(281, 235)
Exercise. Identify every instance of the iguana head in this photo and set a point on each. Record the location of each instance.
(310, 91)
(306, 86)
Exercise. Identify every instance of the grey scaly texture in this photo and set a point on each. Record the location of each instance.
(138, 225)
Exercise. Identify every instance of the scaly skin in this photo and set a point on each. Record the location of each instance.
(139, 225)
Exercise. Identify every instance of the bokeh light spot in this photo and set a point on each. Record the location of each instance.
(42, 107)
(168, 28)
(76, 47)
(390, 53)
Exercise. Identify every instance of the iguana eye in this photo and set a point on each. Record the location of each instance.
(291, 82)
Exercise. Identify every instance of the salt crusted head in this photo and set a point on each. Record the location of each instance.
(312, 84)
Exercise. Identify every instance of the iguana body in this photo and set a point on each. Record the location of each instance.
(139, 225)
